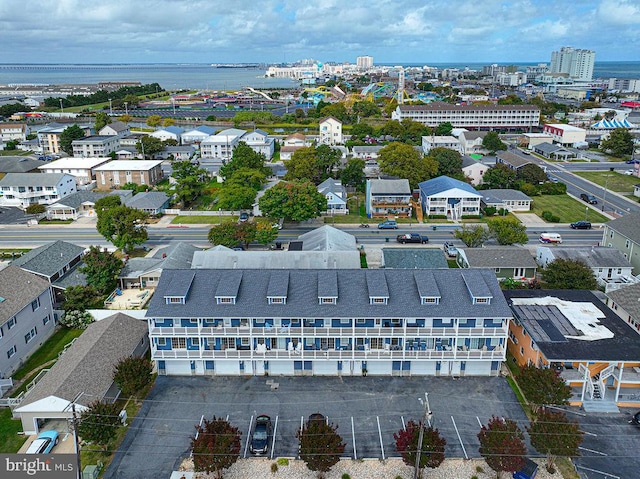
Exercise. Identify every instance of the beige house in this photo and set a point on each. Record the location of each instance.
(118, 172)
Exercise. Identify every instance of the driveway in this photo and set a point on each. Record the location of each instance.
(368, 411)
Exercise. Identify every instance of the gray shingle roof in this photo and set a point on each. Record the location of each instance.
(513, 159)
(627, 298)
(412, 258)
(18, 288)
(505, 195)
(217, 258)
(627, 225)
(78, 198)
(389, 187)
(50, 258)
(473, 135)
(149, 200)
(73, 277)
(508, 257)
(32, 179)
(18, 164)
(87, 366)
(327, 238)
(302, 297)
(593, 256)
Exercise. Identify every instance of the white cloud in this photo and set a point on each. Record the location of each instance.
(619, 12)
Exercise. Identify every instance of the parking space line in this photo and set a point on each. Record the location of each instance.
(597, 472)
(589, 433)
(566, 411)
(353, 435)
(479, 422)
(459, 438)
(404, 426)
(246, 446)
(273, 442)
(197, 432)
(593, 451)
(380, 436)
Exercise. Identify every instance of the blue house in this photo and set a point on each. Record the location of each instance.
(445, 196)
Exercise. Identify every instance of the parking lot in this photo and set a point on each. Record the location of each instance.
(368, 411)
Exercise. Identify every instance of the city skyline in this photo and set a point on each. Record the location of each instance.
(271, 31)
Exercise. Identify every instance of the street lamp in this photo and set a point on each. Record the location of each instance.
(126, 107)
(61, 107)
(110, 107)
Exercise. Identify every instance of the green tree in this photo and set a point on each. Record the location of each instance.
(472, 236)
(433, 445)
(215, 447)
(293, 201)
(353, 174)
(101, 269)
(253, 178)
(154, 121)
(365, 109)
(107, 202)
(81, 298)
(236, 196)
(168, 122)
(337, 110)
(122, 226)
(449, 162)
(532, 174)
(361, 130)
(553, 434)
(444, 129)
(231, 234)
(102, 120)
(510, 100)
(35, 209)
(67, 137)
(403, 161)
(99, 422)
(413, 132)
(507, 231)
(189, 180)
(543, 386)
(502, 445)
(243, 157)
(619, 143)
(569, 274)
(149, 145)
(320, 446)
(132, 375)
(302, 165)
(266, 232)
(493, 143)
(499, 176)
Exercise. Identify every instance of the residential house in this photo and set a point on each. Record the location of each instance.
(343, 322)
(178, 153)
(290, 144)
(116, 128)
(168, 133)
(78, 204)
(474, 170)
(49, 136)
(131, 140)
(575, 333)
(80, 168)
(26, 317)
(508, 199)
(95, 146)
(388, 198)
(624, 301)
(151, 202)
(566, 135)
(24, 189)
(260, 142)
(636, 191)
(221, 145)
(512, 160)
(13, 132)
(83, 373)
(413, 258)
(330, 131)
(18, 164)
(118, 172)
(623, 234)
(611, 269)
(197, 135)
(447, 197)
(449, 142)
(336, 196)
(53, 262)
(367, 152)
(530, 140)
(471, 142)
(553, 152)
(507, 262)
(127, 153)
(473, 117)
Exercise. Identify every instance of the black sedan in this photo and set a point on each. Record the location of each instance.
(581, 225)
(261, 434)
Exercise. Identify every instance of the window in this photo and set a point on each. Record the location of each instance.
(11, 323)
(12, 351)
(361, 321)
(327, 300)
(175, 300)
(30, 335)
(178, 343)
(228, 343)
(627, 244)
(276, 300)
(161, 341)
(45, 320)
(35, 304)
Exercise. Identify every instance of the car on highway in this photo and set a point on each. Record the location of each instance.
(633, 161)
(388, 225)
(592, 200)
(581, 225)
(261, 434)
(550, 238)
(43, 444)
(412, 238)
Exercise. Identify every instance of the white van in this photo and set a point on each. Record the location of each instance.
(550, 238)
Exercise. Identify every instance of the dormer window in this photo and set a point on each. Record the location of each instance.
(277, 300)
(481, 300)
(378, 300)
(225, 300)
(430, 300)
(328, 300)
(174, 299)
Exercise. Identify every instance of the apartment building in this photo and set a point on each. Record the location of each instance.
(565, 134)
(474, 117)
(79, 168)
(576, 63)
(24, 189)
(387, 197)
(445, 322)
(118, 172)
(13, 132)
(221, 145)
(95, 146)
(49, 136)
(330, 131)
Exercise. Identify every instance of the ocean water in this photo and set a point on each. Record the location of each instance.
(206, 77)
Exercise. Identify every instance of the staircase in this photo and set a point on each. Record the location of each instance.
(595, 400)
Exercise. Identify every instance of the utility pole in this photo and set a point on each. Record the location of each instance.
(110, 107)
(76, 438)
(426, 417)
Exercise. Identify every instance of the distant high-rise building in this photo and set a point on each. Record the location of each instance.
(364, 63)
(576, 63)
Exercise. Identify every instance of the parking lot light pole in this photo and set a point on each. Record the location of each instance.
(426, 417)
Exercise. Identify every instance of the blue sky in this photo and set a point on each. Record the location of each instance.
(407, 31)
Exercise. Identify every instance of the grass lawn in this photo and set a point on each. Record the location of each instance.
(10, 440)
(48, 351)
(617, 181)
(566, 208)
(196, 220)
(15, 153)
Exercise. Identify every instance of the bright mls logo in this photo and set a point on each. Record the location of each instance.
(49, 466)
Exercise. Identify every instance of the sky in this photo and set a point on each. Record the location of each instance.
(273, 31)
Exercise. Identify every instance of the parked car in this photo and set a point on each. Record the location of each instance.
(592, 200)
(450, 250)
(412, 238)
(553, 179)
(635, 419)
(581, 225)
(43, 444)
(261, 434)
(628, 172)
(243, 217)
(633, 162)
(388, 225)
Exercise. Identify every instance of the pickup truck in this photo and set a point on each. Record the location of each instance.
(412, 238)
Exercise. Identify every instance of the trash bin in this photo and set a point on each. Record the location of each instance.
(386, 240)
(278, 245)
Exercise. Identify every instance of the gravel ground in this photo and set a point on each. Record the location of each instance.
(365, 469)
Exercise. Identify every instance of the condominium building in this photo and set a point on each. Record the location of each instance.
(364, 62)
(95, 146)
(24, 189)
(475, 117)
(447, 322)
(576, 63)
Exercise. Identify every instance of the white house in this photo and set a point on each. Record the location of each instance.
(24, 189)
(474, 170)
(259, 141)
(13, 132)
(168, 133)
(117, 128)
(197, 135)
(609, 265)
(445, 196)
(94, 146)
(431, 142)
(80, 168)
(221, 145)
(511, 200)
(336, 195)
(471, 141)
(388, 197)
(330, 131)
(366, 152)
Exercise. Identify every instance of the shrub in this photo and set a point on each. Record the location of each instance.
(36, 209)
(283, 461)
(479, 469)
(550, 217)
(471, 217)
(274, 468)
(346, 476)
(529, 189)
(490, 210)
(76, 319)
(438, 217)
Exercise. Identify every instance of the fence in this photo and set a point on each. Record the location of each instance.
(175, 211)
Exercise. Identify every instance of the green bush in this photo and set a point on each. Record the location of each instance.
(490, 210)
(471, 217)
(36, 209)
(283, 461)
(529, 189)
(346, 476)
(550, 217)
(274, 468)
(552, 188)
(438, 217)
